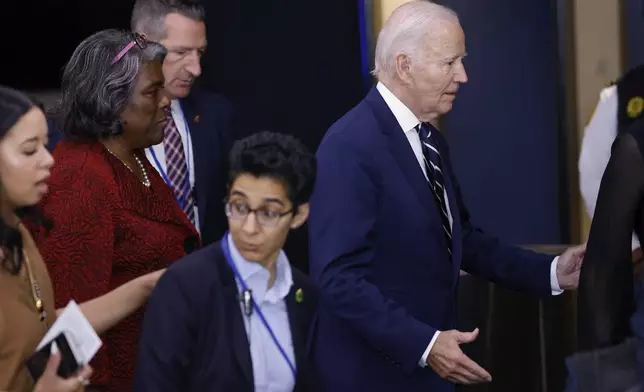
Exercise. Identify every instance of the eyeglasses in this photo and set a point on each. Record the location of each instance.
(265, 216)
(139, 40)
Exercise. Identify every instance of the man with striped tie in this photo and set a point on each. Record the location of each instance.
(193, 156)
(389, 231)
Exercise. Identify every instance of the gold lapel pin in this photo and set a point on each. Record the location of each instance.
(299, 296)
(196, 119)
(634, 107)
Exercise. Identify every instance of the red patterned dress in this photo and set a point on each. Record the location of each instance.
(108, 229)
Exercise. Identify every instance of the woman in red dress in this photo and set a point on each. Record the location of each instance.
(115, 220)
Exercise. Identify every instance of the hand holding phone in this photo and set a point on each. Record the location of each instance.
(68, 364)
(50, 381)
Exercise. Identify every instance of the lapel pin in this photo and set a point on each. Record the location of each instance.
(634, 107)
(196, 118)
(299, 296)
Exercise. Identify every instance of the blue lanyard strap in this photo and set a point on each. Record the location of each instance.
(186, 189)
(229, 259)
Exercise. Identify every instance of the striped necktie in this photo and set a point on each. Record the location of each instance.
(177, 169)
(434, 170)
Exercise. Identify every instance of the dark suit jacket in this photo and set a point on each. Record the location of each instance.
(209, 117)
(54, 133)
(637, 326)
(379, 255)
(194, 337)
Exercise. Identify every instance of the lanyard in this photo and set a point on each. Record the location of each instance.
(183, 198)
(229, 259)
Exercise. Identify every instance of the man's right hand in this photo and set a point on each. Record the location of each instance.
(449, 362)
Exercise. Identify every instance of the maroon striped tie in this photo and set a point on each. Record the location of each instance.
(177, 170)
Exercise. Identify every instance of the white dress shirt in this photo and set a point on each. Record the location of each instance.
(408, 122)
(188, 151)
(599, 135)
(271, 372)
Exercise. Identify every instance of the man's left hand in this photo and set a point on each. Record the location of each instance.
(569, 267)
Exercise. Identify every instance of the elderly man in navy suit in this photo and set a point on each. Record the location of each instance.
(198, 136)
(389, 230)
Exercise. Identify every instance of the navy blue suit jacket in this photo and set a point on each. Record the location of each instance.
(637, 326)
(379, 255)
(194, 338)
(209, 117)
(54, 133)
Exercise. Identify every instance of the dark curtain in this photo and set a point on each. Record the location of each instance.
(632, 33)
(288, 66)
(45, 35)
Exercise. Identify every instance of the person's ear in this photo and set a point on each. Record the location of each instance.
(403, 68)
(301, 216)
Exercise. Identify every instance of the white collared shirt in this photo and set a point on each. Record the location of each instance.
(186, 140)
(408, 122)
(271, 372)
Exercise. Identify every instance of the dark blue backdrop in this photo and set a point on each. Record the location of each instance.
(503, 130)
(633, 17)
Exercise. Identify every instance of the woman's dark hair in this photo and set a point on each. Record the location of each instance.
(278, 156)
(14, 105)
(96, 87)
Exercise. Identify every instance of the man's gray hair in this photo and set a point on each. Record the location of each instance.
(148, 16)
(406, 32)
(94, 90)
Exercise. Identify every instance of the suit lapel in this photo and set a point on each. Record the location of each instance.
(401, 150)
(200, 144)
(297, 321)
(235, 321)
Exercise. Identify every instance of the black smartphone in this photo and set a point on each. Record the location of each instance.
(69, 365)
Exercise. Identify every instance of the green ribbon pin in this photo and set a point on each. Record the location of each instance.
(299, 296)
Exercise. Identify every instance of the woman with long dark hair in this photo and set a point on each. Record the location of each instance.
(26, 296)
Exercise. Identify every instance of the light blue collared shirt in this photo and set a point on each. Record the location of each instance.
(271, 372)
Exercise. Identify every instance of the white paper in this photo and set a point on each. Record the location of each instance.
(83, 340)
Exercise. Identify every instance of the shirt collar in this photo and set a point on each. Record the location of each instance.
(405, 117)
(256, 277)
(175, 107)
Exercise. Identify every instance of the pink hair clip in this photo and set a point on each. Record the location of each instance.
(139, 39)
